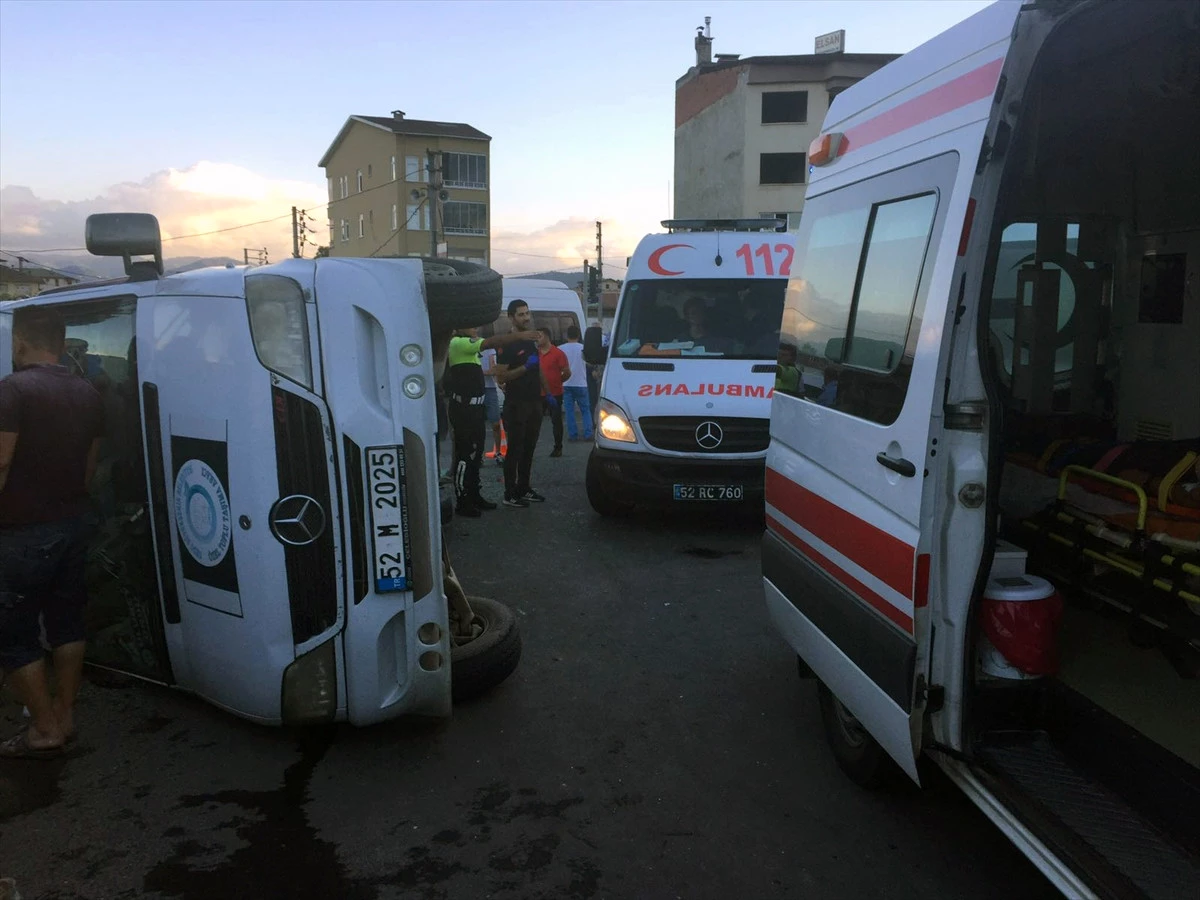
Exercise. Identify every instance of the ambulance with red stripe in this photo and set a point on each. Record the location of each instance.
(984, 542)
(686, 394)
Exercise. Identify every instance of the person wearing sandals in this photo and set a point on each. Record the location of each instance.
(51, 424)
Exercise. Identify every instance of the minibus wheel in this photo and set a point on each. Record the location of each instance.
(481, 662)
(857, 753)
(461, 294)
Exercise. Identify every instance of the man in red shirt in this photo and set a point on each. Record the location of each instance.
(51, 423)
(555, 371)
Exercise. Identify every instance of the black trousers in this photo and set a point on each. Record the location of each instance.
(522, 424)
(556, 419)
(469, 425)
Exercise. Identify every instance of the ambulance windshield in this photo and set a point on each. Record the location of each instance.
(728, 318)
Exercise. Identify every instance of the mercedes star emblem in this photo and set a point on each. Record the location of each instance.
(297, 520)
(709, 435)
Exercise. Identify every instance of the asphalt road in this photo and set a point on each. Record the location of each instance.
(655, 742)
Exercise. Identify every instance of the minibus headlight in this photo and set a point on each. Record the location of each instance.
(414, 387)
(411, 354)
(279, 326)
(614, 424)
(310, 687)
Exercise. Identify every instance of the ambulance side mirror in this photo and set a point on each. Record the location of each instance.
(594, 351)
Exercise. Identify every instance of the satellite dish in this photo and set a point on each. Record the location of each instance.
(415, 194)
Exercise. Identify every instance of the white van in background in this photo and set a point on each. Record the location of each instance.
(268, 534)
(686, 395)
(985, 543)
(552, 303)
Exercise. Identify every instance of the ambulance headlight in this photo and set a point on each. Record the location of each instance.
(279, 326)
(411, 354)
(414, 387)
(614, 424)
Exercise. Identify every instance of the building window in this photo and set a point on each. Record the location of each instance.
(784, 106)
(330, 182)
(790, 220)
(344, 186)
(464, 218)
(414, 169)
(393, 168)
(781, 168)
(362, 225)
(369, 169)
(416, 218)
(465, 170)
(395, 217)
(358, 180)
(345, 230)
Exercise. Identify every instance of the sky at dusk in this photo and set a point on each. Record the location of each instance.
(214, 114)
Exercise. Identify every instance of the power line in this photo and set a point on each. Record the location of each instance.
(178, 237)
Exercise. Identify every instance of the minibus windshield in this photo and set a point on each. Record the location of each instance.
(729, 318)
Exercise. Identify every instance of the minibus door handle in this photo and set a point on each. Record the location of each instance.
(903, 466)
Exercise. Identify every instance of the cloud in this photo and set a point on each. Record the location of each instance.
(562, 246)
(206, 197)
(209, 197)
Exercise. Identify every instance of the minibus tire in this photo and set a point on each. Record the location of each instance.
(478, 666)
(857, 753)
(461, 294)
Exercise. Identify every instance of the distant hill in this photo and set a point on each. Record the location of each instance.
(91, 268)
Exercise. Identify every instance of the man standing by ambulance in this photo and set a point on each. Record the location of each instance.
(519, 371)
(464, 386)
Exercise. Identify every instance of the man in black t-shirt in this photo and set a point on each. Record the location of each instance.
(51, 424)
(518, 370)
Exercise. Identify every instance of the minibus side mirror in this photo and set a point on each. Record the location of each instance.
(594, 351)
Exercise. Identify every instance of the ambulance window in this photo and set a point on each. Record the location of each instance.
(891, 275)
(853, 302)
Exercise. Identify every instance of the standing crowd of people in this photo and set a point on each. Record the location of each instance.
(537, 379)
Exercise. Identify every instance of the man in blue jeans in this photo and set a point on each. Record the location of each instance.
(51, 423)
(575, 388)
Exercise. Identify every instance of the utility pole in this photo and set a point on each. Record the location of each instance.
(295, 234)
(600, 273)
(435, 198)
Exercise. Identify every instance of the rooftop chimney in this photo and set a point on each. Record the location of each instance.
(397, 114)
(704, 43)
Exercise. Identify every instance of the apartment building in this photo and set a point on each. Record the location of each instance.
(743, 126)
(408, 187)
(26, 281)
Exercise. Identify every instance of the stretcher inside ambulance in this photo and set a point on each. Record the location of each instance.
(692, 363)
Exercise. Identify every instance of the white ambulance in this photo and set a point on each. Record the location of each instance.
(691, 366)
(985, 541)
(267, 521)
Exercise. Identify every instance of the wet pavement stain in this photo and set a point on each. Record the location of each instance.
(29, 784)
(281, 854)
(709, 552)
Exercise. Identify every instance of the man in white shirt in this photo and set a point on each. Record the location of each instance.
(575, 388)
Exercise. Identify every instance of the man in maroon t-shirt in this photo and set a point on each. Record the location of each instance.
(555, 371)
(51, 422)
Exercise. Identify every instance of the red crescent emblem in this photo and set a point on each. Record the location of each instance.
(655, 261)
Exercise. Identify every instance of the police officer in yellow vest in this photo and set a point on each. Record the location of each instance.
(468, 420)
